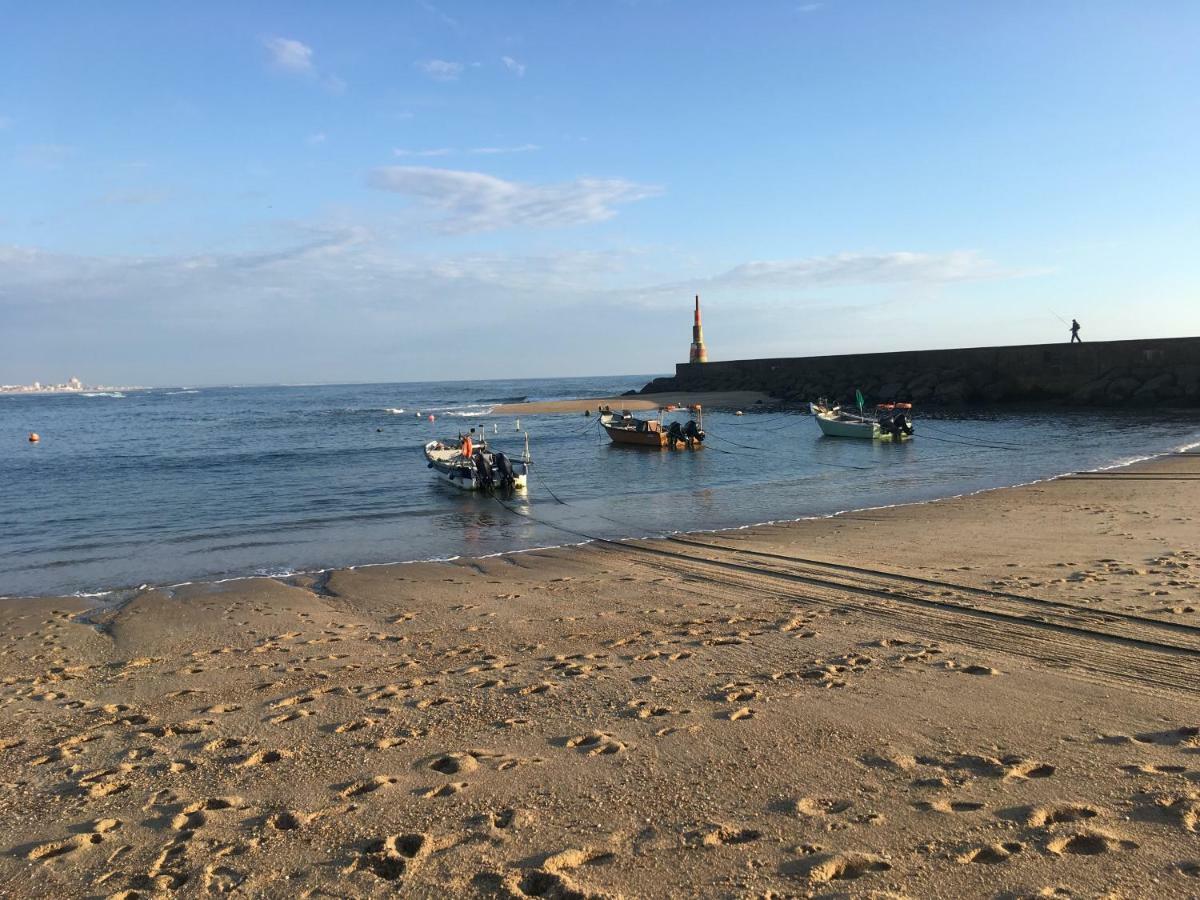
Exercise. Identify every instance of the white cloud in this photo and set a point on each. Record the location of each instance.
(290, 55)
(440, 69)
(474, 201)
(45, 156)
(520, 148)
(434, 11)
(796, 279)
(517, 68)
(296, 58)
(134, 198)
(860, 268)
(317, 137)
(436, 151)
(343, 303)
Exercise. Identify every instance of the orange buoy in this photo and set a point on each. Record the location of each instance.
(431, 417)
(34, 437)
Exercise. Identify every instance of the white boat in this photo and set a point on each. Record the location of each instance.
(892, 424)
(835, 423)
(483, 470)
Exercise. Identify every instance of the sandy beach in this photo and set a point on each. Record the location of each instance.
(716, 399)
(990, 696)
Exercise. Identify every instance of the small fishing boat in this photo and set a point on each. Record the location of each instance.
(624, 428)
(891, 423)
(479, 469)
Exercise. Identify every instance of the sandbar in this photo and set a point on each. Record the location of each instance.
(725, 400)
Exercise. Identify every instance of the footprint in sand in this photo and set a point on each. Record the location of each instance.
(842, 867)
(1044, 816)
(947, 806)
(265, 757)
(597, 743)
(359, 788)
(454, 763)
(1088, 843)
(90, 838)
(990, 853)
(446, 790)
(724, 836)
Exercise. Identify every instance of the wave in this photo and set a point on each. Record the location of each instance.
(394, 410)
(101, 394)
(520, 399)
(467, 410)
(185, 391)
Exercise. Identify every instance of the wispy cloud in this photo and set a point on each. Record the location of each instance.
(317, 137)
(437, 13)
(450, 151)
(45, 156)
(345, 298)
(517, 68)
(792, 277)
(860, 268)
(290, 55)
(474, 201)
(440, 69)
(520, 148)
(295, 57)
(436, 151)
(134, 198)
(809, 7)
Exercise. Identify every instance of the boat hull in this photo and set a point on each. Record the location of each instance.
(449, 466)
(836, 427)
(655, 440)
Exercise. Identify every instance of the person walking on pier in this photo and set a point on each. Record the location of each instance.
(1075, 332)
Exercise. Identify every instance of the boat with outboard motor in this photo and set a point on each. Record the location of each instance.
(624, 428)
(892, 422)
(473, 467)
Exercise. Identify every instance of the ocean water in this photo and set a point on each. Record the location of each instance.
(171, 485)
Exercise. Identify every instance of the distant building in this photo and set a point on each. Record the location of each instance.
(698, 353)
(74, 383)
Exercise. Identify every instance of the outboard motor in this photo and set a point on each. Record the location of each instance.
(675, 434)
(505, 470)
(484, 469)
(692, 432)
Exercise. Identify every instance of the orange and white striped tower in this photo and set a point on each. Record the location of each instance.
(698, 353)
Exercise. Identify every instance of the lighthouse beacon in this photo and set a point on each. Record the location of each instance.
(698, 352)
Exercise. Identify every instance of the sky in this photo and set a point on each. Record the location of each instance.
(230, 193)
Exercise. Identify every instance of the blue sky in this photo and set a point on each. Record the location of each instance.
(284, 192)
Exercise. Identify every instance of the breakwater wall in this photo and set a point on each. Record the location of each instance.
(1159, 372)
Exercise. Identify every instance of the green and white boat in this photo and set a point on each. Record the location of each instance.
(891, 423)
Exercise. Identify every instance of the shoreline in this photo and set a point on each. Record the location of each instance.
(319, 572)
(899, 693)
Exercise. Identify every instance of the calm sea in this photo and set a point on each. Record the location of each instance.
(170, 485)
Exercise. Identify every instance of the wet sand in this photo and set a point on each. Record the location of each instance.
(991, 696)
(716, 399)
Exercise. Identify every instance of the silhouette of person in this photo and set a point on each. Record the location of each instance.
(1075, 332)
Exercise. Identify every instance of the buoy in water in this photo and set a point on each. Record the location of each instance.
(34, 437)
(738, 413)
(431, 417)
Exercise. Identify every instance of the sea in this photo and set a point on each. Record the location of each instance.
(174, 485)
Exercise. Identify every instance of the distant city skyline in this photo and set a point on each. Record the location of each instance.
(432, 190)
